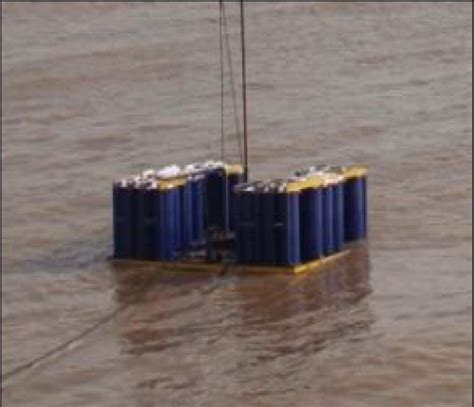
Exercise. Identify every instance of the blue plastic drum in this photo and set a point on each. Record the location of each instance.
(146, 227)
(287, 228)
(197, 193)
(354, 211)
(267, 227)
(328, 220)
(176, 210)
(216, 199)
(165, 243)
(123, 221)
(338, 215)
(311, 224)
(186, 210)
(232, 181)
(366, 209)
(245, 227)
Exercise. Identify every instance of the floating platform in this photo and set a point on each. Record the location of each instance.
(204, 218)
(200, 264)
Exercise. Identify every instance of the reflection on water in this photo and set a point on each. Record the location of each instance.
(245, 306)
(204, 336)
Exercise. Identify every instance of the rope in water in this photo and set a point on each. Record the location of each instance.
(70, 343)
(62, 346)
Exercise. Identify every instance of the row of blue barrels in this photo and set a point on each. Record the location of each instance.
(267, 228)
(322, 220)
(290, 223)
(220, 183)
(288, 227)
(355, 197)
(165, 220)
(152, 223)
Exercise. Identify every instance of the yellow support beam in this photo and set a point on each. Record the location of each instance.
(200, 265)
(231, 169)
(355, 172)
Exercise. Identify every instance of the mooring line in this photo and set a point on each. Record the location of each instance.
(226, 267)
(67, 344)
(62, 346)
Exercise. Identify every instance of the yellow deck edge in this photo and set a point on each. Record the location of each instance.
(199, 266)
(309, 182)
(356, 171)
(232, 169)
(164, 184)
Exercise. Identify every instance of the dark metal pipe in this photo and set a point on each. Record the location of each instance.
(244, 90)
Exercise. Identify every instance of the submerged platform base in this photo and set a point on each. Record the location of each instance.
(202, 265)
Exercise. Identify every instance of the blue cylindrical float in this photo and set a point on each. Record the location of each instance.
(311, 223)
(123, 198)
(146, 227)
(245, 226)
(259, 232)
(197, 188)
(234, 177)
(366, 209)
(287, 228)
(220, 182)
(166, 225)
(355, 211)
(338, 214)
(328, 220)
(186, 209)
(216, 199)
(267, 226)
(177, 242)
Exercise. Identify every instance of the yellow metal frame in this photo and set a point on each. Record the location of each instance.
(199, 265)
(173, 182)
(355, 172)
(319, 181)
(310, 182)
(231, 169)
(164, 184)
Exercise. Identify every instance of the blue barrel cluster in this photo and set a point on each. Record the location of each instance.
(300, 219)
(220, 183)
(267, 224)
(353, 194)
(165, 215)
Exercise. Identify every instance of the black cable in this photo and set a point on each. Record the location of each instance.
(221, 61)
(233, 91)
(62, 346)
(244, 89)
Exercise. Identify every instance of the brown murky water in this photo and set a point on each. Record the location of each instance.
(94, 91)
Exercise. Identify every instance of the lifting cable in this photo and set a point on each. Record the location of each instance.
(221, 62)
(224, 31)
(74, 341)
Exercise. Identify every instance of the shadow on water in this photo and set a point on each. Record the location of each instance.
(170, 309)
